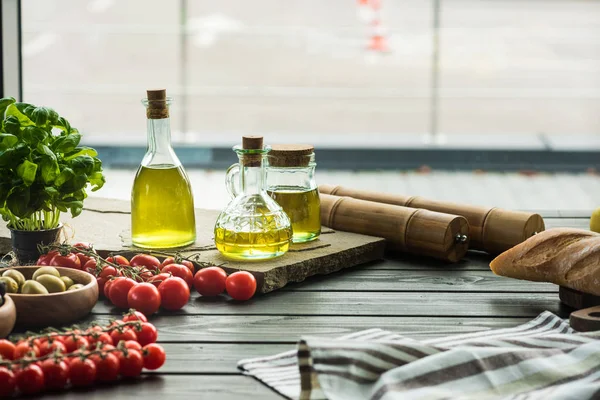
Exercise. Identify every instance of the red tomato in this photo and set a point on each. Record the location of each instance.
(132, 344)
(30, 379)
(143, 274)
(186, 263)
(109, 271)
(8, 382)
(82, 372)
(107, 367)
(241, 285)
(174, 293)
(136, 316)
(45, 259)
(22, 349)
(107, 286)
(68, 261)
(84, 246)
(56, 373)
(118, 260)
(119, 290)
(158, 279)
(97, 337)
(181, 271)
(127, 334)
(145, 298)
(48, 347)
(91, 266)
(7, 349)
(83, 259)
(154, 356)
(210, 281)
(145, 260)
(131, 364)
(73, 344)
(101, 283)
(148, 334)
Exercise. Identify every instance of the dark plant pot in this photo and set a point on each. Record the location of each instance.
(25, 243)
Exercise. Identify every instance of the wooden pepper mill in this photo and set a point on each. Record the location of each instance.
(493, 230)
(422, 232)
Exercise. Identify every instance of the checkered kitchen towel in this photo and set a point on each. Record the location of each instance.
(542, 359)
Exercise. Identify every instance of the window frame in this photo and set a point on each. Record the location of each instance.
(11, 82)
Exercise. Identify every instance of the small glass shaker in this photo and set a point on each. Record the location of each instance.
(290, 180)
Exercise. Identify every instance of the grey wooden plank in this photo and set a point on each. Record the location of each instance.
(371, 304)
(376, 280)
(174, 387)
(288, 329)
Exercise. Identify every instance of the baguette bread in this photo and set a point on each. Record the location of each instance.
(564, 256)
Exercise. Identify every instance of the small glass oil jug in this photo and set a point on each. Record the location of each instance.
(162, 204)
(252, 226)
(291, 182)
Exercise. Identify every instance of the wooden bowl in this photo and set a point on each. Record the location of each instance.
(8, 315)
(55, 309)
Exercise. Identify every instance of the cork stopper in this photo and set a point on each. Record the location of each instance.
(290, 155)
(252, 143)
(157, 104)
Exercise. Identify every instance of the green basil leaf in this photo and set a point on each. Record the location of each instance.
(18, 202)
(97, 180)
(33, 135)
(7, 140)
(13, 156)
(4, 103)
(52, 117)
(66, 144)
(50, 169)
(42, 148)
(81, 151)
(12, 125)
(40, 116)
(74, 184)
(20, 110)
(26, 171)
(51, 192)
(80, 194)
(63, 124)
(65, 175)
(82, 164)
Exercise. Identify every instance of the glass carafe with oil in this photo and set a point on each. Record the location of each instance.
(162, 205)
(290, 176)
(252, 226)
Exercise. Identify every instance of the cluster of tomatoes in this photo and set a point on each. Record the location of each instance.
(147, 284)
(79, 358)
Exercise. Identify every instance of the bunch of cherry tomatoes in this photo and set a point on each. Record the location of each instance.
(147, 284)
(79, 358)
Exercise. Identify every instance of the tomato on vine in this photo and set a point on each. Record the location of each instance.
(154, 356)
(145, 260)
(147, 334)
(50, 347)
(145, 298)
(186, 263)
(174, 293)
(8, 382)
(241, 285)
(135, 316)
(180, 271)
(126, 334)
(30, 379)
(107, 367)
(210, 281)
(82, 372)
(23, 349)
(118, 260)
(119, 290)
(68, 261)
(75, 342)
(56, 373)
(7, 349)
(131, 364)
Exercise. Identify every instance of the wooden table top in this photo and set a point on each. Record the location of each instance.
(413, 296)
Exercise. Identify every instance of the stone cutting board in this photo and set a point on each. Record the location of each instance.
(106, 223)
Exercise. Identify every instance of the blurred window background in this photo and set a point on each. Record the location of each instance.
(403, 85)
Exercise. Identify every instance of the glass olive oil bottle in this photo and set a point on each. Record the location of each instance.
(162, 205)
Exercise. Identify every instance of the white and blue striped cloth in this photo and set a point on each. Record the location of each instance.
(542, 359)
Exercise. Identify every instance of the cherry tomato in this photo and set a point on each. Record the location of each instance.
(97, 337)
(107, 367)
(210, 281)
(8, 382)
(131, 364)
(156, 280)
(101, 283)
(143, 274)
(174, 293)
(181, 271)
(145, 298)
(171, 260)
(7, 349)
(118, 260)
(127, 334)
(84, 246)
(154, 356)
(107, 286)
(148, 334)
(241, 285)
(91, 266)
(22, 349)
(73, 344)
(108, 271)
(119, 290)
(45, 259)
(48, 347)
(132, 344)
(83, 259)
(82, 372)
(145, 260)
(30, 379)
(136, 316)
(56, 373)
(68, 261)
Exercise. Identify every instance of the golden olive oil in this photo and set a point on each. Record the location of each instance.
(162, 208)
(248, 246)
(303, 207)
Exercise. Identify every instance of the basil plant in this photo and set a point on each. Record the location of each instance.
(43, 169)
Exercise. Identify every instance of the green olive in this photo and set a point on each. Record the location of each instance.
(46, 271)
(33, 287)
(16, 275)
(51, 283)
(75, 287)
(11, 285)
(68, 281)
